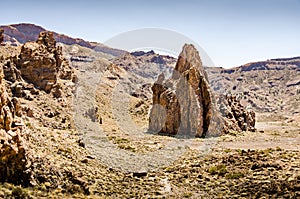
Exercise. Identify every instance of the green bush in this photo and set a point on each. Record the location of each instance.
(219, 169)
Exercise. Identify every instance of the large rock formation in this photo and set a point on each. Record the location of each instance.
(183, 104)
(42, 63)
(13, 157)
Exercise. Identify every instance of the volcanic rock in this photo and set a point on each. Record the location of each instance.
(1, 35)
(183, 104)
(237, 117)
(11, 73)
(42, 63)
(13, 158)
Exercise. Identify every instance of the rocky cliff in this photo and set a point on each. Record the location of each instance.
(35, 92)
(13, 157)
(1, 35)
(183, 104)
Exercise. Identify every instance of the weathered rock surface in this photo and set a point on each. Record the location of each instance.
(237, 117)
(1, 35)
(10, 70)
(183, 104)
(13, 158)
(42, 63)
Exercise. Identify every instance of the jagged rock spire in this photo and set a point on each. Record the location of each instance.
(183, 104)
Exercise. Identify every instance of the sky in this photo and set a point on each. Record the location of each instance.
(231, 32)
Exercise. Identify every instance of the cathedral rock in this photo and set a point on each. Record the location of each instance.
(183, 104)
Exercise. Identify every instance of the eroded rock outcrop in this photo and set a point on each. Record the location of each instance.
(42, 63)
(183, 104)
(237, 117)
(13, 158)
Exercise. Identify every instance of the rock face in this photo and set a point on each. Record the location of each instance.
(237, 117)
(183, 104)
(13, 158)
(38, 66)
(41, 62)
(1, 35)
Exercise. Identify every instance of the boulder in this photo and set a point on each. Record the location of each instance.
(183, 104)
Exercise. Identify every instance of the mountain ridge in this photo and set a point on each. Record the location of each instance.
(23, 32)
(269, 64)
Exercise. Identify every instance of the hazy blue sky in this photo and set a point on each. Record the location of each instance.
(232, 32)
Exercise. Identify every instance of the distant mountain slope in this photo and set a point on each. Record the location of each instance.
(146, 64)
(21, 33)
(271, 86)
(271, 64)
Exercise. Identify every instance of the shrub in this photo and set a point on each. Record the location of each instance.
(219, 169)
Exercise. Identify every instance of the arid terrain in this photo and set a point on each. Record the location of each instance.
(74, 123)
